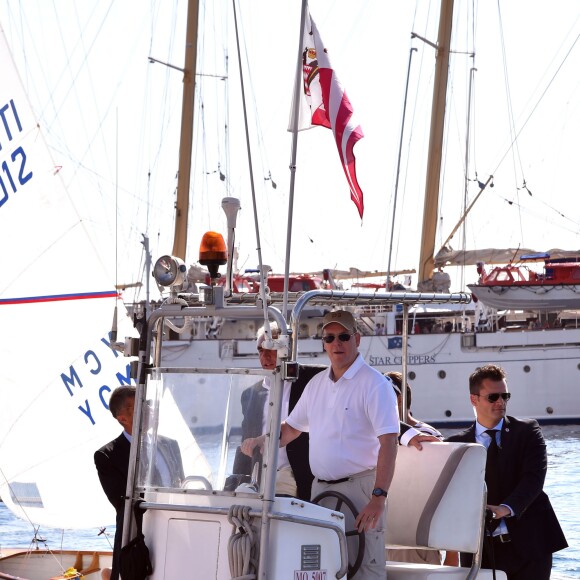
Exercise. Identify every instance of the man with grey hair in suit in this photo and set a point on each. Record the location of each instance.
(294, 476)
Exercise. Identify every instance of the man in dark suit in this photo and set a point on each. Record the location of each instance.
(528, 532)
(112, 463)
(253, 400)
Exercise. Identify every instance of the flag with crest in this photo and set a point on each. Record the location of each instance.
(324, 102)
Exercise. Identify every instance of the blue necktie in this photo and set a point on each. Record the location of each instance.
(492, 473)
(491, 470)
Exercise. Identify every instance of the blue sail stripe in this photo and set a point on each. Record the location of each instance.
(58, 297)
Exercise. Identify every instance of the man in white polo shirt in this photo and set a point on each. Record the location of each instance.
(350, 412)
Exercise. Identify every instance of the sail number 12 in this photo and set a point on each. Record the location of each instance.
(13, 173)
(17, 154)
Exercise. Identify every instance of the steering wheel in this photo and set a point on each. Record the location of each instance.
(340, 500)
(196, 479)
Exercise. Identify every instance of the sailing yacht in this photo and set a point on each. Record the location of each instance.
(61, 353)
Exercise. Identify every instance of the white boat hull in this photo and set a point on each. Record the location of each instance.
(439, 366)
(529, 297)
(198, 542)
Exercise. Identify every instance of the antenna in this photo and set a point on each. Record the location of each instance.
(231, 206)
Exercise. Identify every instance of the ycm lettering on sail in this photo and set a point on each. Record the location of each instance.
(13, 172)
(93, 377)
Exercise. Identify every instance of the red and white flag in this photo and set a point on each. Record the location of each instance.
(324, 102)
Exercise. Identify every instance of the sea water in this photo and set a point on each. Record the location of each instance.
(562, 485)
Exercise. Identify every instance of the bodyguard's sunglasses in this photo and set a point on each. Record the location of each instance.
(494, 397)
(343, 337)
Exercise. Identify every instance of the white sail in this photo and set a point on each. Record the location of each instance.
(56, 309)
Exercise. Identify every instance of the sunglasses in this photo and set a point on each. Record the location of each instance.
(343, 337)
(494, 397)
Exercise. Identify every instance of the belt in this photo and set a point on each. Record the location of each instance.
(503, 538)
(342, 480)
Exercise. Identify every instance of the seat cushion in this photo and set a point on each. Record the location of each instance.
(403, 571)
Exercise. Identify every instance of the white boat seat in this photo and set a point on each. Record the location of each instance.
(405, 571)
(437, 501)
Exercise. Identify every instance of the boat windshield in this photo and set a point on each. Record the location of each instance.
(191, 430)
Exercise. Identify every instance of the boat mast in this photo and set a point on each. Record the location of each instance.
(186, 140)
(426, 262)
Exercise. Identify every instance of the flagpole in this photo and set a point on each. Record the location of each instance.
(295, 112)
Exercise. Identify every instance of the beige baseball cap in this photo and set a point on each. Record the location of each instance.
(342, 317)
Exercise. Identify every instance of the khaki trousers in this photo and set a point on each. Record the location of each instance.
(285, 482)
(358, 488)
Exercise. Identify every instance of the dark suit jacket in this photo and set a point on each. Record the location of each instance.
(534, 529)
(253, 399)
(112, 462)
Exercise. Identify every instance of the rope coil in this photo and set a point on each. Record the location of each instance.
(243, 544)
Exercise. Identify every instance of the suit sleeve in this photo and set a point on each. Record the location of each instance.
(242, 463)
(113, 481)
(245, 401)
(533, 464)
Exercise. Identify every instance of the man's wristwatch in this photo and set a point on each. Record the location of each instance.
(378, 492)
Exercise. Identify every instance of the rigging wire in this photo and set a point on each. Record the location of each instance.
(265, 163)
(225, 175)
(269, 181)
(216, 118)
(462, 130)
(417, 99)
(87, 34)
(116, 203)
(467, 166)
(516, 133)
(516, 157)
(265, 166)
(262, 273)
(211, 148)
(468, 139)
(398, 173)
(153, 134)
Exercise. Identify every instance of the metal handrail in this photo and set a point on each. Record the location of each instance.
(321, 297)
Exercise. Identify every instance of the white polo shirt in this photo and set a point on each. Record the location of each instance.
(345, 419)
